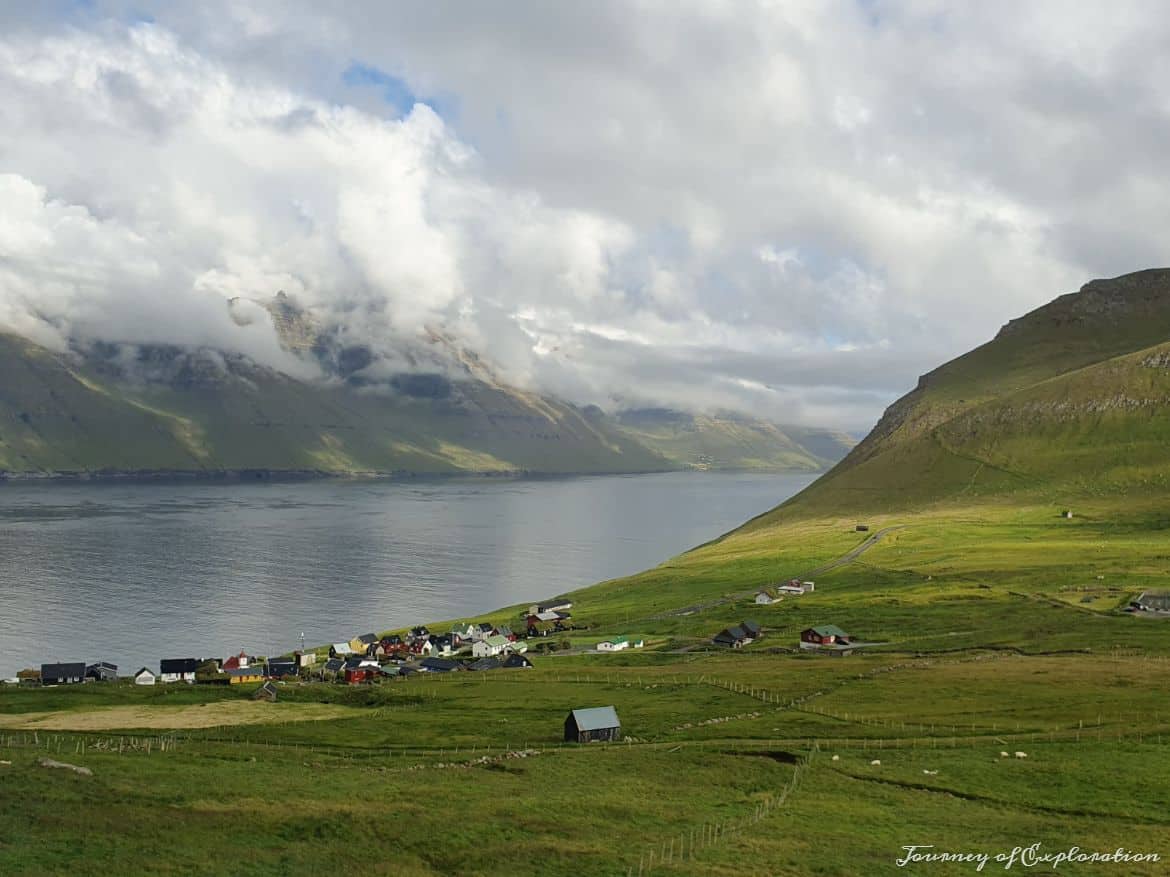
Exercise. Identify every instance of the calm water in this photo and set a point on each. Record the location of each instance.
(134, 573)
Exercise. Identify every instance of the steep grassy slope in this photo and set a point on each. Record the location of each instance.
(731, 441)
(1070, 397)
(183, 411)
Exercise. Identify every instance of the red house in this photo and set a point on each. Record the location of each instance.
(825, 635)
(358, 675)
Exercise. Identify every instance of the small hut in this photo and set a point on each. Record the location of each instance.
(267, 692)
(593, 724)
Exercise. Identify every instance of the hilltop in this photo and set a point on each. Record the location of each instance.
(1066, 399)
(115, 409)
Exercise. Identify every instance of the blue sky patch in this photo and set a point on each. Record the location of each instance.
(395, 90)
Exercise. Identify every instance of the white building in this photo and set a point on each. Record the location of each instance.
(144, 677)
(489, 647)
(613, 645)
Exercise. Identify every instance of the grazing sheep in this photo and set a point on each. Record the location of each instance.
(836, 758)
(1004, 755)
(1021, 755)
(929, 773)
(876, 762)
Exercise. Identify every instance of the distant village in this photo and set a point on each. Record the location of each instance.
(470, 646)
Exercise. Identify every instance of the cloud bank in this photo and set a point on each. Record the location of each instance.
(787, 209)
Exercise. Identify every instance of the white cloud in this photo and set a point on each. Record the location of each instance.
(786, 208)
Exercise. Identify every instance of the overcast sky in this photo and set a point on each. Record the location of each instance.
(789, 208)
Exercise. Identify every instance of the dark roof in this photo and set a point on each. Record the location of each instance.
(829, 630)
(736, 633)
(484, 626)
(486, 664)
(334, 664)
(102, 665)
(142, 670)
(440, 665)
(71, 670)
(419, 631)
(178, 665)
(752, 628)
(504, 630)
(353, 663)
(368, 638)
(392, 640)
(595, 718)
(514, 660)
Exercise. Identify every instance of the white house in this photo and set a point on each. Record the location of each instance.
(613, 645)
(791, 589)
(144, 677)
(489, 647)
(764, 598)
(551, 606)
(340, 650)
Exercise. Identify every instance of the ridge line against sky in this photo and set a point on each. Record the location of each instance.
(791, 209)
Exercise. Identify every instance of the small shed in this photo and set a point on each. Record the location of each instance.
(765, 598)
(516, 661)
(862, 528)
(593, 724)
(267, 692)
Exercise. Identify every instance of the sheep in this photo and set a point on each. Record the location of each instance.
(1004, 755)
(876, 763)
(836, 758)
(929, 773)
(1021, 755)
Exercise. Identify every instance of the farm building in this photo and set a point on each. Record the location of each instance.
(440, 665)
(28, 676)
(62, 674)
(101, 671)
(738, 636)
(613, 645)
(559, 605)
(144, 677)
(765, 598)
(825, 635)
(516, 661)
(593, 724)
(177, 669)
(486, 664)
(731, 637)
(1154, 602)
(359, 674)
(489, 646)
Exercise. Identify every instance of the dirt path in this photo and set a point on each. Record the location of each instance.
(173, 717)
(844, 559)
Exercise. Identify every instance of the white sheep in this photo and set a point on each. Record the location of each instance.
(836, 758)
(1004, 755)
(1021, 755)
(930, 773)
(876, 763)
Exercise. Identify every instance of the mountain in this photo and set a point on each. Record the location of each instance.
(1071, 397)
(732, 441)
(435, 408)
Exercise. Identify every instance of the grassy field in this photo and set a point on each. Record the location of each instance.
(756, 761)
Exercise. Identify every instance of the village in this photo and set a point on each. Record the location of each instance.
(467, 647)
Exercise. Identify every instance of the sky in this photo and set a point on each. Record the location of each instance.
(790, 209)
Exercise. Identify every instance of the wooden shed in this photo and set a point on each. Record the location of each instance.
(593, 724)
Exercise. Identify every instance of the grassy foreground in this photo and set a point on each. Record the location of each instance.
(1002, 632)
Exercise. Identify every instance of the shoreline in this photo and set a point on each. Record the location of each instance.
(294, 476)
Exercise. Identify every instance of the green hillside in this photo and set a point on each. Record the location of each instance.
(1071, 397)
(732, 441)
(181, 411)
